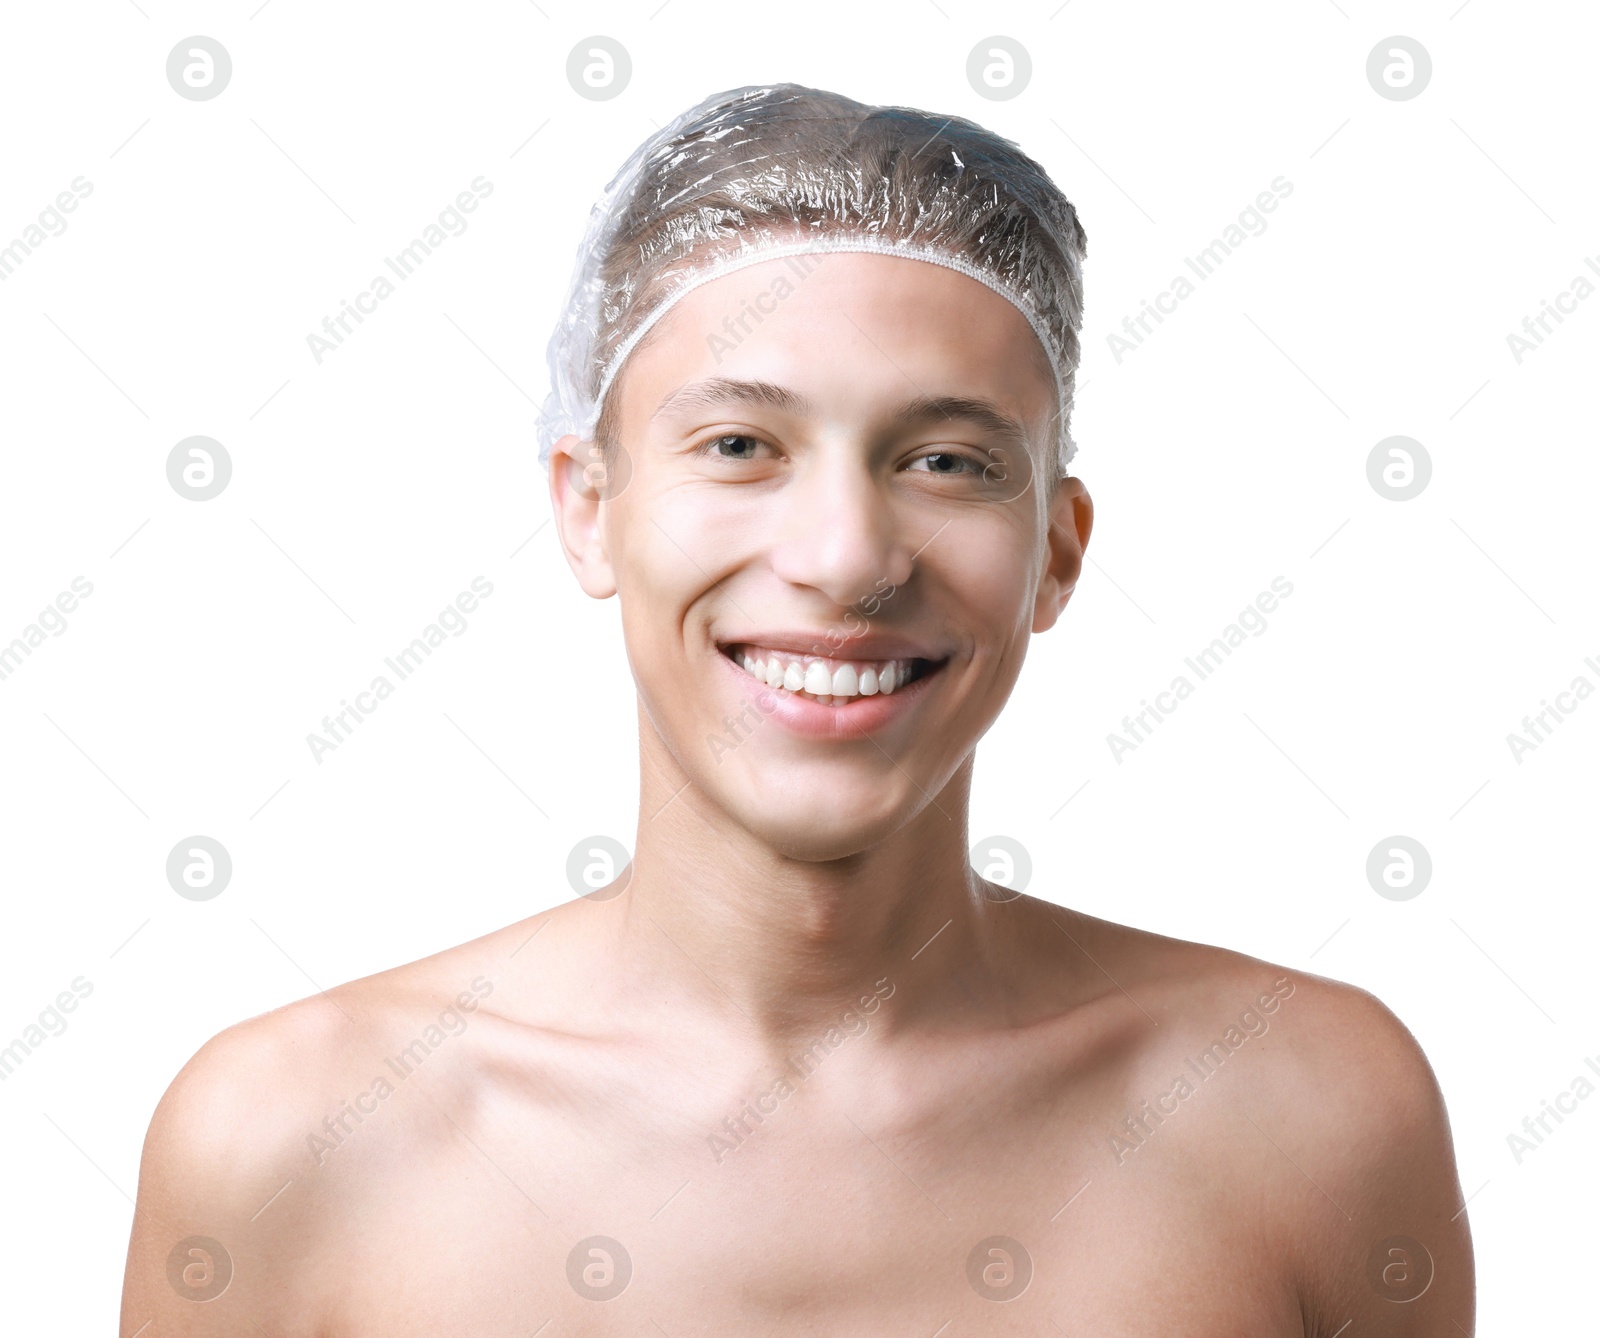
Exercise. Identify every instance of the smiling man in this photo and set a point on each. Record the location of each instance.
(800, 1070)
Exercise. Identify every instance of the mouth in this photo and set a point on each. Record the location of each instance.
(828, 681)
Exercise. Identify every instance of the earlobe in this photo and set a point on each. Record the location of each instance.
(577, 506)
(1071, 520)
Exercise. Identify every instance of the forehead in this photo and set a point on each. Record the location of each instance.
(852, 332)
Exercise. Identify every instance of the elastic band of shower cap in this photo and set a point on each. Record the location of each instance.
(759, 254)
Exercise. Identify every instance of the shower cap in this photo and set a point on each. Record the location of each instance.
(764, 172)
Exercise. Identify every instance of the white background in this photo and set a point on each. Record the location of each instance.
(369, 490)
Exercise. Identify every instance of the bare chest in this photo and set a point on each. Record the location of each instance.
(814, 1219)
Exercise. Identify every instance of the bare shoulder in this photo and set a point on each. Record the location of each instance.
(266, 1142)
(1328, 1117)
(246, 1087)
(1346, 1039)
(219, 1147)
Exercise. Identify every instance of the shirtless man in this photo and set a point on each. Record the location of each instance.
(799, 1069)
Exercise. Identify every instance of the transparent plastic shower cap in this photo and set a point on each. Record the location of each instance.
(765, 172)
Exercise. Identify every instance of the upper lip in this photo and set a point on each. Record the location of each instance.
(827, 643)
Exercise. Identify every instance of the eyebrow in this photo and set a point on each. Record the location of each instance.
(716, 391)
(719, 390)
(937, 408)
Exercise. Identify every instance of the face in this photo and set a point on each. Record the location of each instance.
(833, 531)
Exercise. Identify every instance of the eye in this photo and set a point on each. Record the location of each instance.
(948, 463)
(730, 446)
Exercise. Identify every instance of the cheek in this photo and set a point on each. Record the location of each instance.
(667, 549)
(681, 532)
(637, 528)
(992, 570)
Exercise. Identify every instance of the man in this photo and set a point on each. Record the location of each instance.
(799, 1070)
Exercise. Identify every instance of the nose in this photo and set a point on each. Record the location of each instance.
(839, 531)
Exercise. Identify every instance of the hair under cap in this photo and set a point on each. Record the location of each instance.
(761, 172)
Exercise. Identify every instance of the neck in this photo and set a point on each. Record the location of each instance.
(717, 920)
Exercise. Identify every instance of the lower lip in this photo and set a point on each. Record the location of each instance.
(810, 719)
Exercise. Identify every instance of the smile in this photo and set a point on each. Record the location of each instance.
(830, 682)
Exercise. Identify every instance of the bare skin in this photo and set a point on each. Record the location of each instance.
(800, 1070)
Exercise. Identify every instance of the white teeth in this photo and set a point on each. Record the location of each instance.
(827, 681)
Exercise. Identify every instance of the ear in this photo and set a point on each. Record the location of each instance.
(575, 467)
(1071, 520)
